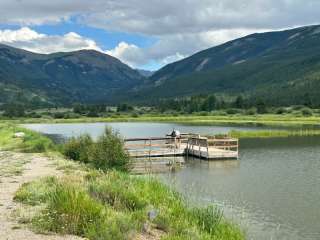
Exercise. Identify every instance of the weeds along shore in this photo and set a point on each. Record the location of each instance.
(275, 133)
(98, 198)
(215, 118)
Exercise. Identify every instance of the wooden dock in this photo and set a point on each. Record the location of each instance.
(154, 155)
(212, 148)
(209, 148)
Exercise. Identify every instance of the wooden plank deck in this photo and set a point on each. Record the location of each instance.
(210, 152)
(196, 146)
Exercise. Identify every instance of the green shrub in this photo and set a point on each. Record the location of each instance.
(135, 115)
(281, 110)
(78, 148)
(251, 111)
(108, 152)
(297, 107)
(306, 111)
(59, 115)
(232, 111)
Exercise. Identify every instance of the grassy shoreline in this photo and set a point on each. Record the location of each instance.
(271, 120)
(110, 204)
(275, 133)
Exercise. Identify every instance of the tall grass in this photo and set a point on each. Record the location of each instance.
(106, 153)
(115, 205)
(33, 142)
(275, 133)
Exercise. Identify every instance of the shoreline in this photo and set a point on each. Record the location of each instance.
(268, 120)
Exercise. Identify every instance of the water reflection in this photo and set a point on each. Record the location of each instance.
(216, 164)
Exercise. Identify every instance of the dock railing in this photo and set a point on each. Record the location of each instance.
(166, 146)
(147, 147)
(224, 143)
(208, 147)
(150, 153)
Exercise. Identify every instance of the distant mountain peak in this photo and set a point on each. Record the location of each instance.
(64, 78)
(268, 65)
(145, 73)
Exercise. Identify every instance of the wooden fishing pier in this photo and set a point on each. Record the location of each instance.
(156, 154)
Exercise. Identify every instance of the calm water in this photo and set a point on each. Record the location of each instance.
(273, 191)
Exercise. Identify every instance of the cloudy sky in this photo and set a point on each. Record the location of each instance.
(145, 33)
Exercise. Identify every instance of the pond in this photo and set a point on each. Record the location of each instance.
(273, 190)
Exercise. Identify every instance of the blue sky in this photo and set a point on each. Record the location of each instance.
(105, 39)
(145, 34)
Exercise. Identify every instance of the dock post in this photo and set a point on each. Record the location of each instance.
(187, 149)
(150, 165)
(208, 149)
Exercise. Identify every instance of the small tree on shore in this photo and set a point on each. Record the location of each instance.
(109, 152)
(106, 153)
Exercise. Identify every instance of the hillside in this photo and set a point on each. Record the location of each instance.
(280, 67)
(62, 78)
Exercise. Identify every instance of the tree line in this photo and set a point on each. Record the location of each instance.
(208, 103)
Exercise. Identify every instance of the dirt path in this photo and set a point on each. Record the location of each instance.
(35, 166)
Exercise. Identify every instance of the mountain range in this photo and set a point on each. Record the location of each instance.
(84, 76)
(280, 67)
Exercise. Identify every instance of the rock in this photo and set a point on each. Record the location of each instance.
(152, 214)
(19, 135)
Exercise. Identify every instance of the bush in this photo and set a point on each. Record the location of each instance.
(232, 111)
(59, 115)
(135, 115)
(108, 152)
(281, 111)
(34, 115)
(251, 111)
(297, 107)
(78, 148)
(306, 111)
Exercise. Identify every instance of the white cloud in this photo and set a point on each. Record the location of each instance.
(31, 40)
(129, 53)
(175, 47)
(181, 27)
